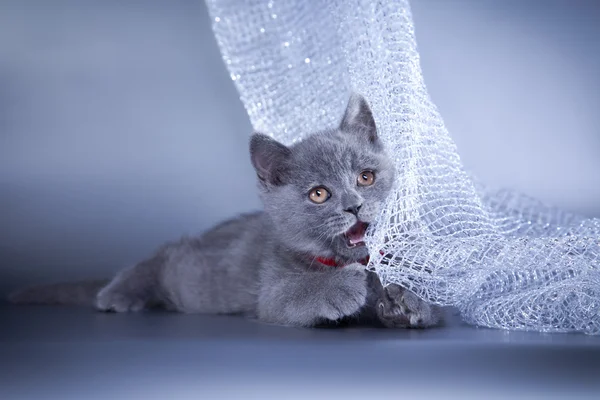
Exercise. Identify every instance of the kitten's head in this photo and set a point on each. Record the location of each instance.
(322, 192)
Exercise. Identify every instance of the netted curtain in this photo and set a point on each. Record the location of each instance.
(503, 259)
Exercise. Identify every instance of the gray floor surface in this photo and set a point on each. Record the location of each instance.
(76, 353)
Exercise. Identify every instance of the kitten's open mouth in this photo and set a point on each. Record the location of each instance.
(356, 234)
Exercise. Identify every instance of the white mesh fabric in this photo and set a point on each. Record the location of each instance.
(503, 259)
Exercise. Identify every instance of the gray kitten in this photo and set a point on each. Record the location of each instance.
(299, 262)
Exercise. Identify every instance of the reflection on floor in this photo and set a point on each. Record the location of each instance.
(76, 353)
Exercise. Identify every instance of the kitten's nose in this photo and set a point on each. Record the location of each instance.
(354, 209)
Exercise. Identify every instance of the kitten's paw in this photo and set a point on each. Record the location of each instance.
(347, 295)
(109, 299)
(400, 308)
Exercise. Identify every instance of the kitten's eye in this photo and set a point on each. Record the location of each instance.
(319, 195)
(366, 178)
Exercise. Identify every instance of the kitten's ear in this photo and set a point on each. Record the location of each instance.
(269, 158)
(359, 118)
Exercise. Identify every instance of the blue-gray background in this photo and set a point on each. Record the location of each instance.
(120, 128)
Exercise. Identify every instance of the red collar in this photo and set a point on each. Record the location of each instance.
(331, 262)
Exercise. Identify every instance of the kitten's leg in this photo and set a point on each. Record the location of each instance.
(368, 314)
(400, 308)
(133, 289)
(312, 297)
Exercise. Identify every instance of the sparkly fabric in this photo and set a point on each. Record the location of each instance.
(505, 260)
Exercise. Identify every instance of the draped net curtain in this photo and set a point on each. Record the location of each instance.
(505, 260)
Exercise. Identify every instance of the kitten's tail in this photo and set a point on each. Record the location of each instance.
(81, 293)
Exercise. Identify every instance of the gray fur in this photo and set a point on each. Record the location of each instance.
(264, 264)
(75, 293)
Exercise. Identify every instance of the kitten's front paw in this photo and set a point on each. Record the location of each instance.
(400, 308)
(347, 295)
(109, 299)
